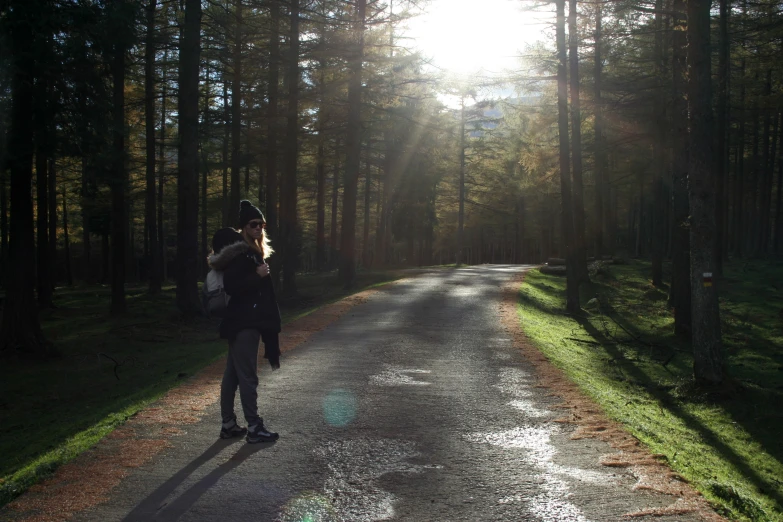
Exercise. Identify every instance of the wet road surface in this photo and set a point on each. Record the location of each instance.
(412, 406)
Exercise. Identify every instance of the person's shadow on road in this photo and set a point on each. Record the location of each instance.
(155, 507)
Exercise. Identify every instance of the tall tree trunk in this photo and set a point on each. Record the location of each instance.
(761, 162)
(707, 343)
(378, 210)
(236, 115)
(390, 161)
(162, 261)
(721, 150)
(461, 217)
(88, 192)
(205, 171)
(600, 142)
(228, 219)
(658, 224)
(44, 143)
(429, 233)
(187, 185)
(120, 175)
(105, 258)
(273, 127)
(659, 160)
(320, 167)
(333, 218)
(20, 331)
(768, 186)
(778, 241)
(519, 231)
(411, 240)
(3, 217)
(3, 200)
(384, 199)
(289, 185)
(580, 249)
(767, 168)
(566, 199)
(67, 240)
(52, 189)
(354, 147)
(639, 217)
(87, 197)
(611, 211)
(739, 174)
(247, 180)
(42, 152)
(261, 182)
(755, 170)
(130, 242)
(680, 293)
(366, 232)
(320, 183)
(150, 204)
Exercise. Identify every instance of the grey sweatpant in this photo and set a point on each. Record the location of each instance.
(241, 371)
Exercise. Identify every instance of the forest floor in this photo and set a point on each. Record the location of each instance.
(111, 368)
(623, 354)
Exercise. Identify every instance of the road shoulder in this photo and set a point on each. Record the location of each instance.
(591, 422)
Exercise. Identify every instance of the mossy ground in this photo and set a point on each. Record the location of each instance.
(622, 352)
(110, 368)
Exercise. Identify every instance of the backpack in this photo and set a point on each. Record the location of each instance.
(213, 295)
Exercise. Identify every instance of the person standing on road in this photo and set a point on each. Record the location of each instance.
(252, 314)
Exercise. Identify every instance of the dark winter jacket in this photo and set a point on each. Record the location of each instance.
(253, 304)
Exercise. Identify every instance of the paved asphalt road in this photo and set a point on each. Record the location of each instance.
(412, 406)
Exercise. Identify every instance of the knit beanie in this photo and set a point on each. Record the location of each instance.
(248, 212)
(225, 237)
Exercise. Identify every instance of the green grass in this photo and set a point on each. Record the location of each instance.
(728, 443)
(52, 411)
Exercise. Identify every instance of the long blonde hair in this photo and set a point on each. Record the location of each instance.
(263, 246)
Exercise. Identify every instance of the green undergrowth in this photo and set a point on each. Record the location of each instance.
(727, 442)
(110, 368)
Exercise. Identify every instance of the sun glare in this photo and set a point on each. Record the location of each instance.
(465, 37)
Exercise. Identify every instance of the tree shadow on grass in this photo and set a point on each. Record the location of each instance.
(752, 402)
(541, 305)
(675, 407)
(541, 286)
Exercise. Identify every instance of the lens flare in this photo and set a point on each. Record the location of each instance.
(309, 507)
(339, 407)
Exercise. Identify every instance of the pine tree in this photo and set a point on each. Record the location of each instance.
(707, 344)
(187, 181)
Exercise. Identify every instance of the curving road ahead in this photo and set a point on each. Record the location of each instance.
(412, 406)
